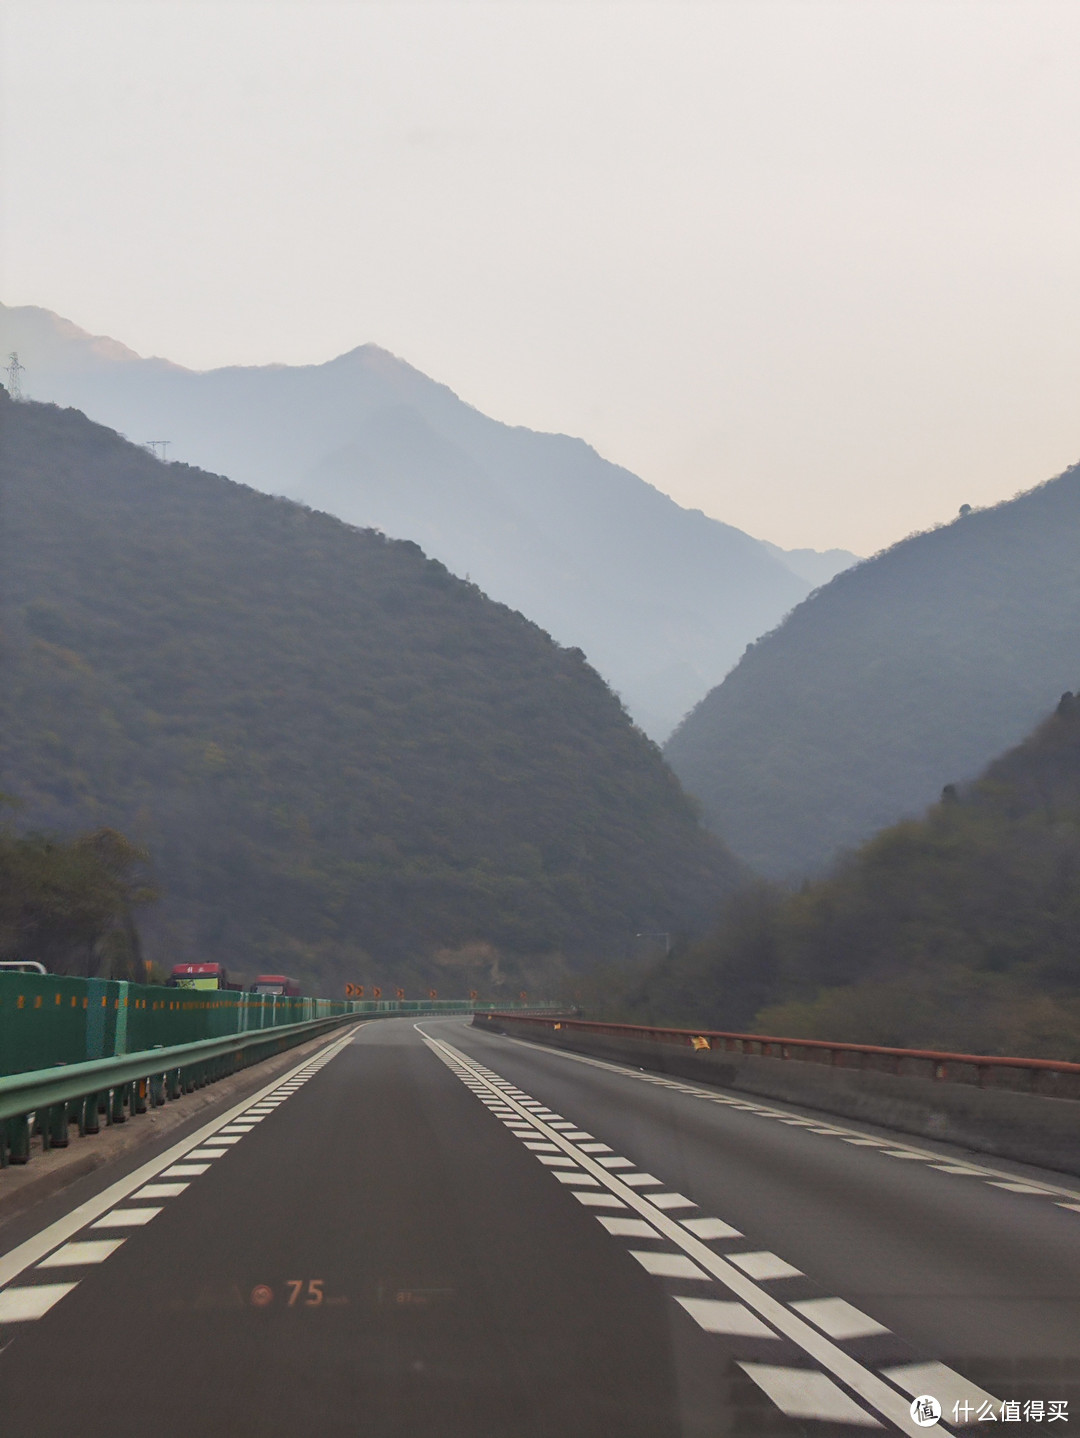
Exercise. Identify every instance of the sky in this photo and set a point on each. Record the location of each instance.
(810, 266)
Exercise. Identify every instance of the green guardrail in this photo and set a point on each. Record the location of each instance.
(76, 1050)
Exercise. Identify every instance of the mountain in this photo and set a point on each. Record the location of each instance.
(959, 930)
(816, 566)
(344, 761)
(910, 669)
(663, 600)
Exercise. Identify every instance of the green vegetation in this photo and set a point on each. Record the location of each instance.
(957, 931)
(923, 662)
(343, 761)
(69, 904)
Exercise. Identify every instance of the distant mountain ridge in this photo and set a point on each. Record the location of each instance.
(343, 760)
(663, 600)
(908, 671)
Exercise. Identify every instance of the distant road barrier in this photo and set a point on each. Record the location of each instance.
(1018, 1107)
(1051, 1077)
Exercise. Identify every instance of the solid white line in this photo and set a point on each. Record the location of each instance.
(18, 1305)
(20, 1258)
(878, 1394)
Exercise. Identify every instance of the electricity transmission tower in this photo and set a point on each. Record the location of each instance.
(14, 371)
(152, 444)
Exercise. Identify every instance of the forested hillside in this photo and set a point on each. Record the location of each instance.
(663, 600)
(343, 760)
(960, 930)
(913, 668)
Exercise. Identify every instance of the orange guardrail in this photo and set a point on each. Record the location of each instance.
(943, 1065)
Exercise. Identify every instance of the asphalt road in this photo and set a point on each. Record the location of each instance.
(453, 1233)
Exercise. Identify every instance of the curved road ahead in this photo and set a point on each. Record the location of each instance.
(428, 1230)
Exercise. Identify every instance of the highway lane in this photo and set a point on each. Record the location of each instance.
(460, 1234)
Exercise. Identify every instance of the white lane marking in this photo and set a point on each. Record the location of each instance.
(764, 1265)
(600, 1200)
(226, 1138)
(838, 1319)
(613, 1162)
(946, 1386)
(585, 1180)
(638, 1180)
(19, 1305)
(1015, 1187)
(541, 1147)
(958, 1168)
(160, 1190)
(234, 1128)
(1074, 1206)
(126, 1218)
(865, 1142)
(577, 1134)
(164, 1166)
(559, 1162)
(668, 1265)
(671, 1200)
(595, 1148)
(932, 1157)
(901, 1153)
(717, 1316)
(201, 1153)
(628, 1227)
(710, 1228)
(805, 1393)
(883, 1398)
(89, 1250)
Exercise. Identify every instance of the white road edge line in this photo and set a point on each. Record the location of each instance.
(884, 1399)
(976, 1169)
(34, 1249)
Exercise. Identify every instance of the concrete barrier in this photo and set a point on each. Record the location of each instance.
(1032, 1128)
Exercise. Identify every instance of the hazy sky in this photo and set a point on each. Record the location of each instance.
(809, 265)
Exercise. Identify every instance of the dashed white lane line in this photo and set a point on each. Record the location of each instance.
(946, 1386)
(668, 1265)
(697, 1258)
(160, 1190)
(19, 1305)
(54, 1246)
(762, 1264)
(805, 1393)
(126, 1218)
(710, 1228)
(852, 1136)
(717, 1315)
(838, 1318)
(628, 1227)
(79, 1252)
